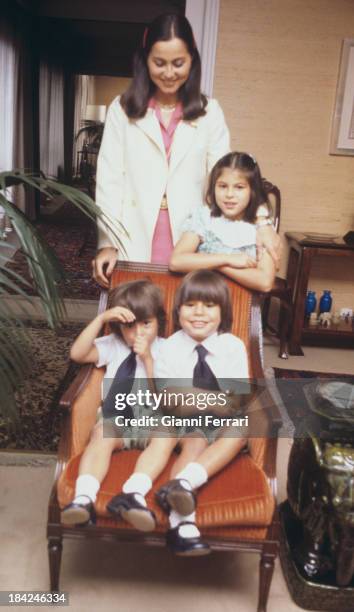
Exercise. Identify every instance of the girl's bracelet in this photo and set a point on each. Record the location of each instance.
(263, 223)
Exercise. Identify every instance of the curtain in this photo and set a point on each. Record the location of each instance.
(25, 156)
(84, 85)
(8, 70)
(16, 103)
(51, 119)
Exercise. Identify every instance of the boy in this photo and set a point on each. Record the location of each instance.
(137, 318)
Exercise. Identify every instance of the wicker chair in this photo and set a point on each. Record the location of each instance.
(236, 509)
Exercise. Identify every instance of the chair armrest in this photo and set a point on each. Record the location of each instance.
(76, 386)
(81, 402)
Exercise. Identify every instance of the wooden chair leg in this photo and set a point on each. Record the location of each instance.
(55, 547)
(285, 320)
(266, 569)
(284, 328)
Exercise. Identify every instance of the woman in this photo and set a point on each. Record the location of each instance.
(161, 138)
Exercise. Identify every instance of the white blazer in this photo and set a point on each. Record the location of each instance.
(133, 173)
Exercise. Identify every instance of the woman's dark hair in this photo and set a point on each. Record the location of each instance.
(143, 298)
(250, 169)
(135, 100)
(206, 286)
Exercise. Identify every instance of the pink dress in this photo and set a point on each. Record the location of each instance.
(162, 242)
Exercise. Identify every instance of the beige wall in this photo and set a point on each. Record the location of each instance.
(275, 77)
(106, 88)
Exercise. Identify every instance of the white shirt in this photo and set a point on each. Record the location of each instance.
(227, 357)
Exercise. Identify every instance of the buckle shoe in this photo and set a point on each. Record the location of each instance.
(186, 547)
(78, 514)
(174, 496)
(126, 506)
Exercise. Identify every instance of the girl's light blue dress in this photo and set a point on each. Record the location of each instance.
(221, 235)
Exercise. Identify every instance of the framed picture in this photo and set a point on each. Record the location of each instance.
(342, 135)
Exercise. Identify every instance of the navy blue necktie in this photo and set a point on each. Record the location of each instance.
(122, 383)
(203, 376)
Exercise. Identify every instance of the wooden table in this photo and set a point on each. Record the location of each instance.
(302, 252)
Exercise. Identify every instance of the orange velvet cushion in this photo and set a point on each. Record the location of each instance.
(213, 534)
(238, 495)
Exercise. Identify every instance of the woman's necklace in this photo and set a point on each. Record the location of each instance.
(167, 107)
(166, 111)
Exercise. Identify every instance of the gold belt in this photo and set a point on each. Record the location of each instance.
(164, 205)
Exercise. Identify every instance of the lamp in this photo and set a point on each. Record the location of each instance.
(95, 112)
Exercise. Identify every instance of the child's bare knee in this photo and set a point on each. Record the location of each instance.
(97, 433)
(191, 444)
(164, 442)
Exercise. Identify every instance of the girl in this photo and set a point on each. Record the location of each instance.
(136, 316)
(202, 350)
(161, 138)
(223, 235)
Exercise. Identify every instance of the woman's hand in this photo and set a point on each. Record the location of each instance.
(240, 260)
(103, 266)
(118, 313)
(268, 239)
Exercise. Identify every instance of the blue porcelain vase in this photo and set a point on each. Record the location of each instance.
(310, 303)
(326, 301)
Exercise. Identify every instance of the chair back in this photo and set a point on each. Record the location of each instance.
(245, 306)
(274, 196)
(246, 325)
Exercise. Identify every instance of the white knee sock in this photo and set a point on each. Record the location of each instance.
(195, 473)
(138, 483)
(186, 531)
(86, 486)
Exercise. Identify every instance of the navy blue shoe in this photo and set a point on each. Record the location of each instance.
(79, 514)
(186, 547)
(174, 496)
(128, 507)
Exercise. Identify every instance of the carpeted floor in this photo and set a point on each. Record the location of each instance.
(290, 385)
(73, 238)
(39, 393)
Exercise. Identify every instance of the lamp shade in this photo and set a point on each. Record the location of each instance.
(95, 112)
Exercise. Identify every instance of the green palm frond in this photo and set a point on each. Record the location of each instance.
(46, 273)
(15, 362)
(43, 264)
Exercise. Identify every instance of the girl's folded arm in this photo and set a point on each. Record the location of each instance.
(260, 278)
(185, 258)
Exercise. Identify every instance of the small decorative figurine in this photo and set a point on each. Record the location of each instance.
(325, 319)
(346, 312)
(336, 317)
(313, 319)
